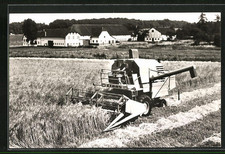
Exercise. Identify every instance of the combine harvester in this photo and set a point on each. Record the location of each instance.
(132, 87)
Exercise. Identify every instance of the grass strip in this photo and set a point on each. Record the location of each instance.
(160, 52)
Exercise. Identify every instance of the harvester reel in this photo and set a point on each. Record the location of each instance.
(145, 99)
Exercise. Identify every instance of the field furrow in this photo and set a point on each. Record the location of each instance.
(214, 140)
(192, 134)
(122, 137)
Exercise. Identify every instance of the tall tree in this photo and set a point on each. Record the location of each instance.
(30, 30)
(217, 18)
(202, 18)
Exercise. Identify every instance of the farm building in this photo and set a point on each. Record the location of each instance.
(160, 34)
(104, 38)
(52, 37)
(153, 36)
(60, 38)
(102, 33)
(73, 39)
(83, 34)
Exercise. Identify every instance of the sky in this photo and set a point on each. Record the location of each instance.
(50, 17)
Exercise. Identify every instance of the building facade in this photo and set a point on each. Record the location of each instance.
(153, 36)
(104, 38)
(73, 40)
(52, 37)
(46, 41)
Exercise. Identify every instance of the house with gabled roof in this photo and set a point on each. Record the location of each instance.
(104, 38)
(153, 36)
(52, 37)
(159, 34)
(73, 39)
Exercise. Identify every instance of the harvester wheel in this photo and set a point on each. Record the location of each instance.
(145, 99)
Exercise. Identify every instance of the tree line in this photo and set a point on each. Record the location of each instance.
(202, 31)
(131, 24)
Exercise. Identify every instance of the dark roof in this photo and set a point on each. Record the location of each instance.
(95, 29)
(61, 33)
(162, 30)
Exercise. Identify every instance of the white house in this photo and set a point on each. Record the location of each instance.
(104, 38)
(153, 36)
(73, 39)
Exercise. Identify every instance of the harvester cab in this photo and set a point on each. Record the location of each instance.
(134, 86)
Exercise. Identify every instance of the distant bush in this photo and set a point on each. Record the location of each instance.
(72, 56)
(116, 56)
(217, 40)
(100, 56)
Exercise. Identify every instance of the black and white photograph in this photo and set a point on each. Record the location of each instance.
(114, 80)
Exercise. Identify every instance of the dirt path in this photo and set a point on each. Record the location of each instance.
(121, 137)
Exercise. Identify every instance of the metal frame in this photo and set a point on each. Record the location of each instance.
(113, 71)
(161, 87)
(75, 93)
(118, 99)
